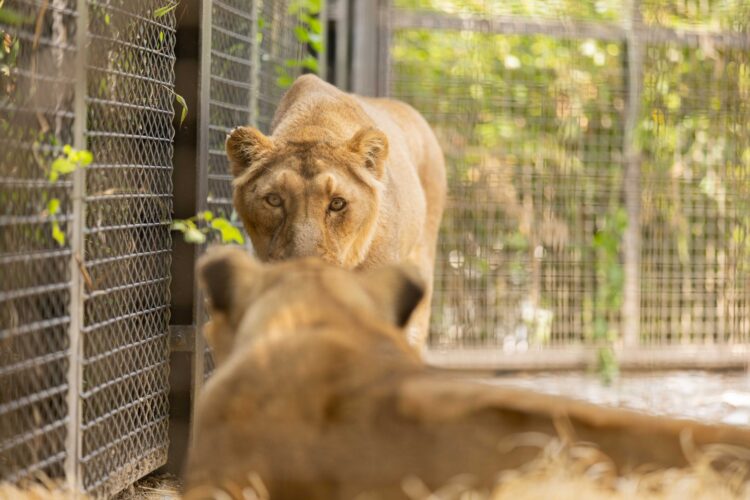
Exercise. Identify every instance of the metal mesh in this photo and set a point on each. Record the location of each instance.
(117, 430)
(244, 85)
(279, 46)
(696, 171)
(251, 43)
(127, 243)
(530, 101)
(36, 102)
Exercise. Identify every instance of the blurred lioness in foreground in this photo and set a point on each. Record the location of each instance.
(317, 395)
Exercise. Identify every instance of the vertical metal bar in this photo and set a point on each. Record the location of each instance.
(75, 367)
(384, 48)
(365, 49)
(631, 307)
(323, 54)
(199, 353)
(342, 45)
(255, 60)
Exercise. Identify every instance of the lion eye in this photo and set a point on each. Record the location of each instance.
(337, 204)
(273, 199)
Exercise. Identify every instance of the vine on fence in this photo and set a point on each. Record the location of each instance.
(609, 294)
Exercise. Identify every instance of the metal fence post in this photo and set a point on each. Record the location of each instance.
(204, 91)
(631, 306)
(75, 356)
(365, 48)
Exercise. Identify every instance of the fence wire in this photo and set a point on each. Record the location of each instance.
(127, 243)
(117, 430)
(253, 50)
(530, 102)
(36, 120)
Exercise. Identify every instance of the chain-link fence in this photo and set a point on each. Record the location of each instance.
(86, 112)
(599, 161)
(84, 248)
(252, 58)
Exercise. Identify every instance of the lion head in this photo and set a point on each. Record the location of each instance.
(308, 197)
(247, 298)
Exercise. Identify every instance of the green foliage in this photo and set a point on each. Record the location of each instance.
(606, 365)
(196, 229)
(609, 292)
(600, 10)
(181, 101)
(165, 9)
(13, 17)
(309, 32)
(53, 207)
(71, 160)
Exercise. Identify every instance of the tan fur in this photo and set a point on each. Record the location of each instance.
(318, 396)
(378, 154)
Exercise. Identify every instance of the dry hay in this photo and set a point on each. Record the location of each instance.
(582, 472)
(154, 487)
(561, 471)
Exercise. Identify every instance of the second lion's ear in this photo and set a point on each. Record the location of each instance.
(245, 146)
(226, 275)
(396, 290)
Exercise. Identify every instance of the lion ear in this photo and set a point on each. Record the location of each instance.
(225, 274)
(372, 145)
(245, 146)
(396, 290)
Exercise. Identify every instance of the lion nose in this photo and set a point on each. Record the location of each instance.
(307, 237)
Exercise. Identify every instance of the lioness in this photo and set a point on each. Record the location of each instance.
(359, 182)
(317, 395)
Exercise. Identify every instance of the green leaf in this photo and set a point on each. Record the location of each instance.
(85, 157)
(163, 11)
(229, 233)
(284, 81)
(53, 206)
(301, 34)
(178, 225)
(181, 101)
(313, 23)
(193, 235)
(314, 6)
(161, 37)
(316, 42)
(63, 166)
(310, 63)
(57, 234)
(14, 18)
(107, 19)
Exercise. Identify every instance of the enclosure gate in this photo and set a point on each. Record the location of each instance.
(85, 255)
(599, 175)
